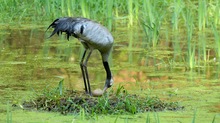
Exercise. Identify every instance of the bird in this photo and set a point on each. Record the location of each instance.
(93, 36)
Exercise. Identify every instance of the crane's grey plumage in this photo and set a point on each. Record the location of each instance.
(93, 36)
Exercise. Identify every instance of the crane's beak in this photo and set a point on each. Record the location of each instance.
(105, 88)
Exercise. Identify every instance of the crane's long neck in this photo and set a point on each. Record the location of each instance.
(109, 80)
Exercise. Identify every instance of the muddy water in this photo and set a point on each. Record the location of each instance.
(30, 63)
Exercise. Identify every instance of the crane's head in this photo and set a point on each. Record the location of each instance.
(108, 84)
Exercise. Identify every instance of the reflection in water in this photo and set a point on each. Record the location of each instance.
(26, 55)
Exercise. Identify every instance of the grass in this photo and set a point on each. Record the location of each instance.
(130, 12)
(152, 20)
(190, 43)
(9, 114)
(151, 117)
(217, 44)
(178, 6)
(202, 11)
(109, 14)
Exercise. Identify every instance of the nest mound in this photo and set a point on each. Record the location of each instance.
(119, 102)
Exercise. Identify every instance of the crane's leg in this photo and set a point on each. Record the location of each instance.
(83, 65)
(83, 72)
(86, 71)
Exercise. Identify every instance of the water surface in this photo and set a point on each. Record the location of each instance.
(30, 63)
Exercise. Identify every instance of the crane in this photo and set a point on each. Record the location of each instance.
(93, 36)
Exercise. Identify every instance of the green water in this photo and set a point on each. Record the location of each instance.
(30, 63)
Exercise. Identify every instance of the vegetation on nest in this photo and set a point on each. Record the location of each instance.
(112, 102)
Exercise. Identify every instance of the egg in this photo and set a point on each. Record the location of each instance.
(97, 92)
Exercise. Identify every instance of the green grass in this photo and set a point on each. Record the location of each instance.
(152, 19)
(202, 12)
(9, 114)
(109, 13)
(177, 6)
(130, 12)
(82, 116)
(190, 43)
(217, 39)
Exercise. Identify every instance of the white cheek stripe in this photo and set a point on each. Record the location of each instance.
(111, 81)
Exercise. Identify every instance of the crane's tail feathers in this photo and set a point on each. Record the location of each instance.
(61, 25)
(53, 25)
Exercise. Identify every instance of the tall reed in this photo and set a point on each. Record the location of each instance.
(9, 113)
(194, 117)
(190, 43)
(178, 6)
(217, 12)
(84, 8)
(130, 46)
(176, 46)
(130, 12)
(202, 12)
(70, 4)
(203, 44)
(109, 13)
(217, 40)
(152, 19)
(137, 7)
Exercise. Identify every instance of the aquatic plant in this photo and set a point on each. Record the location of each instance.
(9, 113)
(217, 39)
(177, 7)
(84, 8)
(109, 13)
(202, 12)
(190, 43)
(130, 12)
(151, 21)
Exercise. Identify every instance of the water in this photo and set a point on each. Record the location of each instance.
(31, 63)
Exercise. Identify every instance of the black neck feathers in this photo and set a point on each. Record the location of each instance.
(108, 71)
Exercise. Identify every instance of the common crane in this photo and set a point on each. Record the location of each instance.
(93, 36)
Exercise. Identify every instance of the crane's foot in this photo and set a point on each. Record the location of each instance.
(88, 93)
